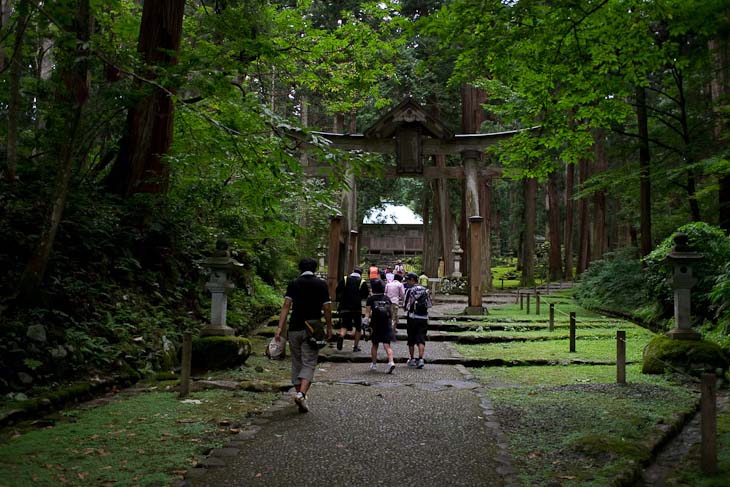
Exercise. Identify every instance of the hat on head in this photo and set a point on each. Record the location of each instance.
(412, 275)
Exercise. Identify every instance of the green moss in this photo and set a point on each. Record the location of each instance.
(220, 352)
(691, 356)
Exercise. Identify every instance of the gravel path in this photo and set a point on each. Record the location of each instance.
(428, 427)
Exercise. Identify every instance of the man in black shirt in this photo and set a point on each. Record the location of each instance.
(351, 290)
(307, 296)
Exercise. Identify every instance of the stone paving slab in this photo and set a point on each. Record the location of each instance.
(426, 427)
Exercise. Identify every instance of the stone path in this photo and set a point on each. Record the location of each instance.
(428, 427)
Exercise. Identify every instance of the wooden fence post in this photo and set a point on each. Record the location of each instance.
(522, 300)
(528, 304)
(572, 331)
(620, 357)
(537, 304)
(187, 356)
(708, 445)
(552, 316)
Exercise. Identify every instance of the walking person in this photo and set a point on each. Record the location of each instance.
(395, 292)
(416, 303)
(307, 297)
(351, 290)
(377, 315)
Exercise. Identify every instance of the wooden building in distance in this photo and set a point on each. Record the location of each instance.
(386, 243)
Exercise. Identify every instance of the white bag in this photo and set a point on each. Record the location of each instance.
(276, 350)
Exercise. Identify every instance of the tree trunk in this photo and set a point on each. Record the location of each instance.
(554, 263)
(528, 241)
(73, 71)
(600, 241)
(584, 233)
(141, 166)
(568, 238)
(644, 173)
(14, 98)
(720, 89)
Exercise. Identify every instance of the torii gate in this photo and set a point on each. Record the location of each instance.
(411, 133)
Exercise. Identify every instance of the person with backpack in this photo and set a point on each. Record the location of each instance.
(416, 303)
(377, 316)
(350, 292)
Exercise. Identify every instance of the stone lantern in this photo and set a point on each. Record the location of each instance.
(222, 267)
(457, 251)
(682, 258)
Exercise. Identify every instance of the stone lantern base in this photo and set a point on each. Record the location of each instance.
(683, 334)
(218, 331)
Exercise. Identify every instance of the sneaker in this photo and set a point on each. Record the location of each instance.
(411, 362)
(301, 400)
(373, 367)
(340, 340)
(420, 363)
(391, 368)
(356, 349)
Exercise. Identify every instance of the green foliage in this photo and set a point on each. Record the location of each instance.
(615, 282)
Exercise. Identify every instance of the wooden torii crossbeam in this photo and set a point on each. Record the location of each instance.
(412, 134)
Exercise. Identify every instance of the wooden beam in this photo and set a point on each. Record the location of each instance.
(429, 172)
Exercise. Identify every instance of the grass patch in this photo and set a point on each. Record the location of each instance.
(583, 434)
(596, 350)
(562, 375)
(140, 439)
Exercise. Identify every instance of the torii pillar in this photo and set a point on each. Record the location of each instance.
(475, 266)
(333, 256)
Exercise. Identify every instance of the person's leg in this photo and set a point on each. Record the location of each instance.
(306, 374)
(389, 352)
(296, 359)
(357, 324)
(374, 352)
(411, 333)
(345, 324)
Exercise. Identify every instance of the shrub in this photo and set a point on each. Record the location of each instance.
(616, 282)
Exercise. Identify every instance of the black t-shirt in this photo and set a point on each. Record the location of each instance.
(375, 320)
(350, 293)
(308, 294)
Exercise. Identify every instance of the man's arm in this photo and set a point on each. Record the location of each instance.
(282, 318)
(327, 307)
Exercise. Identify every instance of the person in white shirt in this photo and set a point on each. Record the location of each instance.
(395, 292)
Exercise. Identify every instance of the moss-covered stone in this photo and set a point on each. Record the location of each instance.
(219, 352)
(693, 357)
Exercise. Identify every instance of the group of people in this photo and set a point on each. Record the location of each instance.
(308, 299)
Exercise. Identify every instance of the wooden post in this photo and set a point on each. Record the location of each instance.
(333, 257)
(502, 279)
(537, 304)
(708, 445)
(572, 331)
(620, 357)
(522, 300)
(475, 264)
(353, 259)
(528, 303)
(552, 316)
(187, 360)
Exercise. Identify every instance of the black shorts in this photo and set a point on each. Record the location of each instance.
(416, 329)
(350, 320)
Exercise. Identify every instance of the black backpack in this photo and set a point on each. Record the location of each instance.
(381, 311)
(419, 305)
